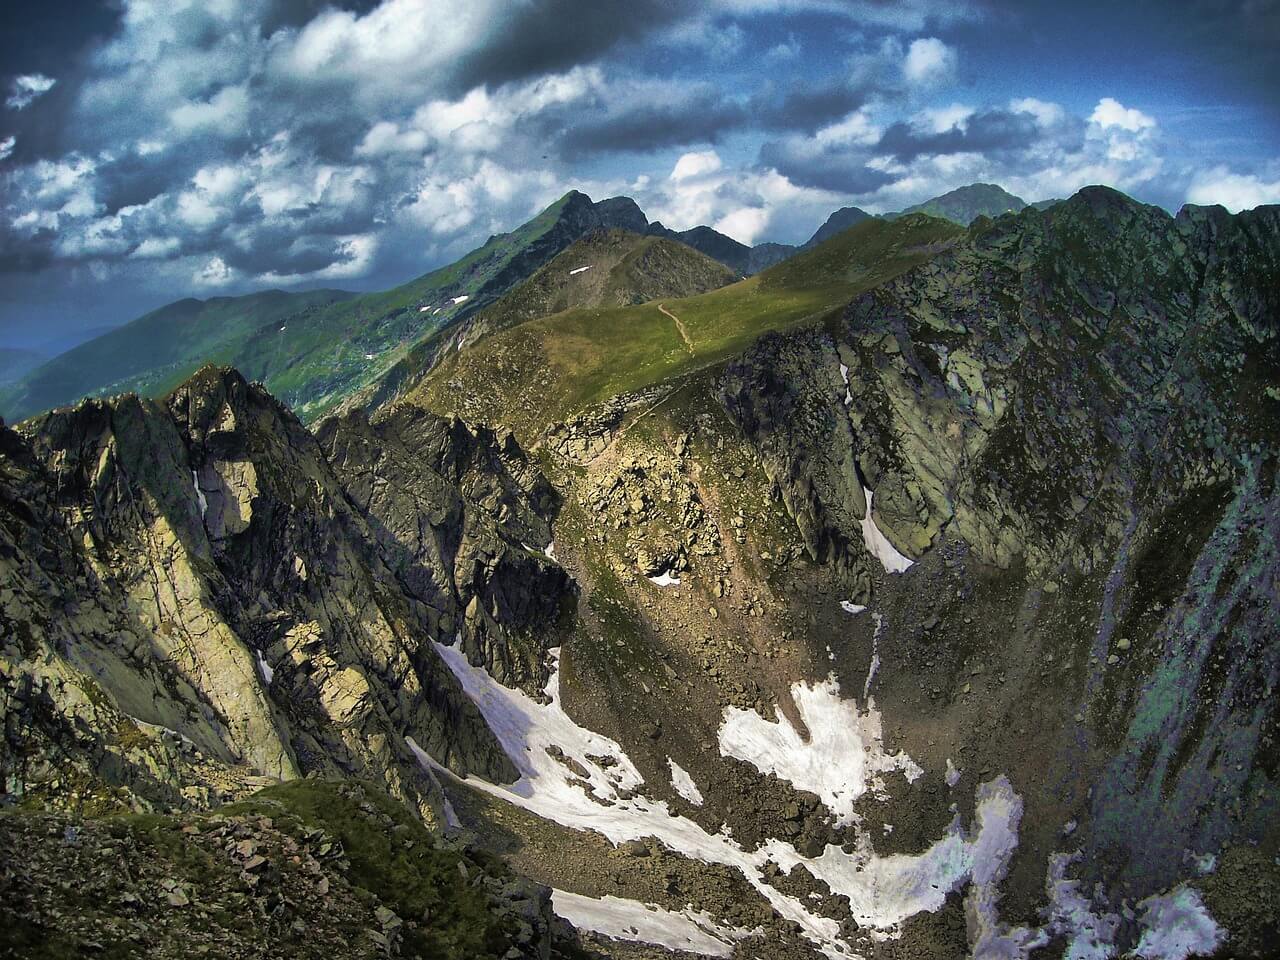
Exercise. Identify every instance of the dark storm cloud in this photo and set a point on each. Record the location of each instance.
(991, 131)
(545, 36)
(838, 169)
(805, 107)
(707, 116)
(44, 37)
(702, 118)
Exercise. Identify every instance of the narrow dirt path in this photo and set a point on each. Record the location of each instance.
(684, 334)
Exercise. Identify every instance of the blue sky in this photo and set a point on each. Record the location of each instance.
(155, 149)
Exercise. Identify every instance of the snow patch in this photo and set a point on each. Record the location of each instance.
(842, 758)
(637, 922)
(204, 503)
(953, 773)
(878, 543)
(1089, 935)
(875, 657)
(578, 270)
(848, 606)
(370, 356)
(844, 375)
(999, 813)
(423, 309)
(551, 550)
(267, 673)
(683, 784)
(462, 299)
(1177, 926)
(665, 579)
(428, 763)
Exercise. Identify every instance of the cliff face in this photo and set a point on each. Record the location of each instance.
(464, 519)
(1084, 400)
(190, 584)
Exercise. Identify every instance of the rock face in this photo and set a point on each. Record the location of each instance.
(1085, 397)
(464, 519)
(198, 567)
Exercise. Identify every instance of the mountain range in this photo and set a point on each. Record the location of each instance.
(913, 596)
(318, 348)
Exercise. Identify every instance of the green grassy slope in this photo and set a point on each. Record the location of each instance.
(606, 268)
(550, 368)
(157, 351)
(313, 349)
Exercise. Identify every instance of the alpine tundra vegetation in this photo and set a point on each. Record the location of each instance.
(904, 587)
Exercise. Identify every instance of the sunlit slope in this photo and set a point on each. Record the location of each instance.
(606, 268)
(544, 370)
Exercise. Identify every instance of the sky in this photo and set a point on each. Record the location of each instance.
(156, 149)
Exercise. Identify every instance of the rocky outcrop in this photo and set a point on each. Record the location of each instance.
(294, 871)
(464, 520)
(225, 589)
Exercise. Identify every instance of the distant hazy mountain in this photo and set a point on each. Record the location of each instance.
(14, 362)
(155, 352)
(736, 256)
(965, 204)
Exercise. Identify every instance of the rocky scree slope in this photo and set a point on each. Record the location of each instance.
(298, 870)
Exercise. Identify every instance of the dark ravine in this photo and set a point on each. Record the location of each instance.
(1065, 419)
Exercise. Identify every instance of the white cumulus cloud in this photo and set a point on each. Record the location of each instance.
(928, 61)
(1112, 113)
(1235, 191)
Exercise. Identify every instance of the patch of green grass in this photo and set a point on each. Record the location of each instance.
(414, 882)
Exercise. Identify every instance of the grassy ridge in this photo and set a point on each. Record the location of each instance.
(550, 368)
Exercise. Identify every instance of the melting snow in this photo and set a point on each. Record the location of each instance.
(1071, 914)
(953, 773)
(267, 672)
(840, 761)
(844, 375)
(665, 579)
(204, 503)
(551, 550)
(578, 270)
(683, 783)
(424, 759)
(462, 299)
(1178, 926)
(423, 309)
(875, 656)
(848, 606)
(370, 356)
(645, 923)
(879, 544)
